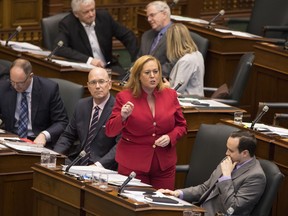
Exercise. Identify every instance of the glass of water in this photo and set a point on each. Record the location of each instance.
(238, 116)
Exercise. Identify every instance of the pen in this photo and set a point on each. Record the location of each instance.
(14, 140)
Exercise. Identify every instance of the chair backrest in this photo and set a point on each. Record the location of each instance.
(49, 27)
(273, 179)
(70, 94)
(4, 69)
(241, 76)
(201, 42)
(267, 12)
(210, 143)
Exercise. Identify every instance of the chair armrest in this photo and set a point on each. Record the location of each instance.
(209, 89)
(275, 29)
(237, 20)
(182, 168)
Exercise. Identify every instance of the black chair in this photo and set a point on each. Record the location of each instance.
(70, 93)
(268, 19)
(201, 42)
(232, 95)
(49, 27)
(210, 143)
(273, 180)
(4, 69)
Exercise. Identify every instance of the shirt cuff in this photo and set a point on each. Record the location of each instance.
(89, 60)
(98, 164)
(224, 178)
(181, 194)
(47, 135)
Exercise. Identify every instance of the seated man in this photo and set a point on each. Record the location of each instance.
(236, 184)
(88, 125)
(88, 34)
(31, 106)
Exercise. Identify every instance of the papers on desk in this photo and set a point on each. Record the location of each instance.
(268, 130)
(188, 19)
(237, 33)
(76, 65)
(113, 177)
(21, 146)
(193, 102)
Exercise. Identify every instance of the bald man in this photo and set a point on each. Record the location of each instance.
(102, 148)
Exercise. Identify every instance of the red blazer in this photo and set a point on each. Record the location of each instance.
(140, 130)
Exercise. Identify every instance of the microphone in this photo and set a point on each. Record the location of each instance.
(264, 110)
(59, 44)
(130, 177)
(221, 13)
(125, 78)
(178, 85)
(18, 29)
(81, 155)
(173, 3)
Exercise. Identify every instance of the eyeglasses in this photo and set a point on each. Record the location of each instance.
(100, 82)
(19, 83)
(152, 15)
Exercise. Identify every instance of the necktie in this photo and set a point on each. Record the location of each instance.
(155, 42)
(23, 117)
(87, 147)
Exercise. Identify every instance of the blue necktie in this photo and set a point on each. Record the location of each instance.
(91, 133)
(23, 117)
(155, 42)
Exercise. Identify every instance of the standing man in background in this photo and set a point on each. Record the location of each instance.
(153, 41)
(31, 106)
(88, 33)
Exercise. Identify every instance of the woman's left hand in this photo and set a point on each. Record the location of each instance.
(162, 141)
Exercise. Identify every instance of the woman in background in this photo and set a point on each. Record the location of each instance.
(151, 121)
(189, 63)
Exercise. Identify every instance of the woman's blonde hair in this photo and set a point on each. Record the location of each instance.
(134, 81)
(179, 42)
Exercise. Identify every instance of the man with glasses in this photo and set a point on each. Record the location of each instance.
(31, 106)
(88, 125)
(153, 41)
(88, 33)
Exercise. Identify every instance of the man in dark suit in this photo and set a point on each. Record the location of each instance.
(46, 115)
(88, 34)
(235, 186)
(153, 41)
(102, 148)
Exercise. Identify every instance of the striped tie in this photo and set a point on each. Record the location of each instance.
(23, 117)
(91, 133)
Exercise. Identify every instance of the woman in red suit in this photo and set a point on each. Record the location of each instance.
(150, 119)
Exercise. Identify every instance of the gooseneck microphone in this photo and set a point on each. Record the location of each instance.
(264, 110)
(221, 13)
(173, 3)
(81, 155)
(59, 44)
(18, 29)
(125, 78)
(178, 85)
(130, 177)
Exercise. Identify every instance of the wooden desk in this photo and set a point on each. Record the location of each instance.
(274, 149)
(59, 195)
(194, 117)
(270, 77)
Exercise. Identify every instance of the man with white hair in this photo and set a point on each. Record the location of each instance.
(88, 33)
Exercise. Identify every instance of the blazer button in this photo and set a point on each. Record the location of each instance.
(153, 134)
(154, 146)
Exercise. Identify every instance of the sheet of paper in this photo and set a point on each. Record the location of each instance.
(21, 45)
(193, 102)
(268, 129)
(237, 33)
(188, 19)
(76, 65)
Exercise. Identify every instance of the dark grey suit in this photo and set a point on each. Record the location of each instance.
(102, 148)
(159, 52)
(241, 193)
(47, 109)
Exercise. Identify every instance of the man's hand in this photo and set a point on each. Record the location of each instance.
(40, 139)
(227, 166)
(169, 192)
(97, 63)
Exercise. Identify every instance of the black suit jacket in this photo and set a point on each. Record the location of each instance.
(103, 148)
(76, 42)
(47, 109)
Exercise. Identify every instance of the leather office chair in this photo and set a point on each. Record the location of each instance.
(49, 27)
(273, 179)
(70, 93)
(233, 94)
(210, 143)
(201, 42)
(268, 19)
(4, 69)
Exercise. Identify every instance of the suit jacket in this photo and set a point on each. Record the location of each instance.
(47, 109)
(140, 130)
(76, 43)
(241, 193)
(102, 148)
(159, 52)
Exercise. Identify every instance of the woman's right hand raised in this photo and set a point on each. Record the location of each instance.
(126, 110)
